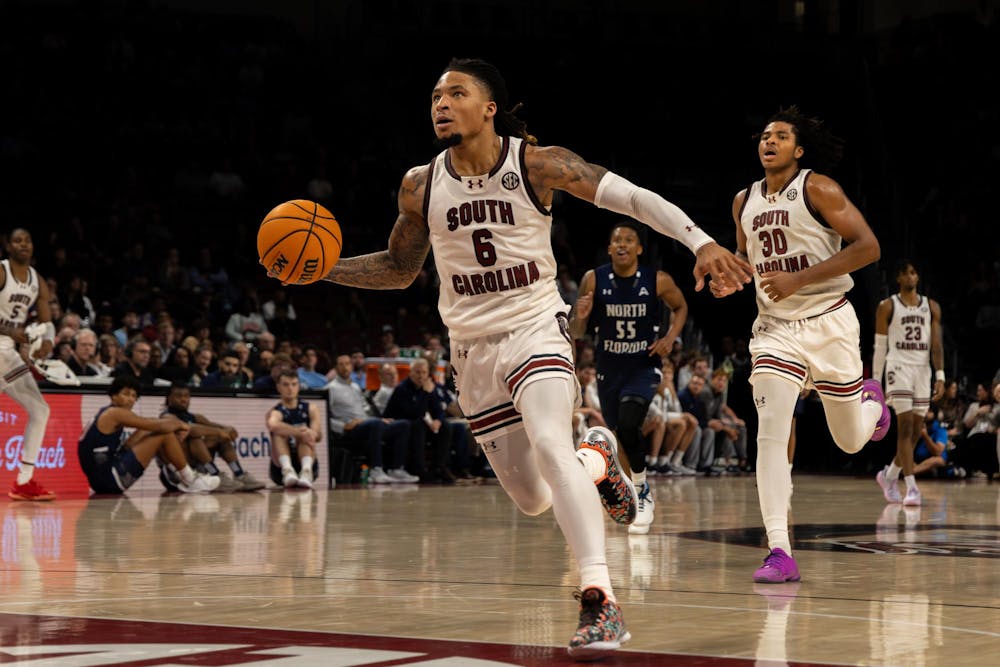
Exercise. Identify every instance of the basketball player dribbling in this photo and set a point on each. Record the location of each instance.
(21, 289)
(909, 325)
(792, 225)
(483, 205)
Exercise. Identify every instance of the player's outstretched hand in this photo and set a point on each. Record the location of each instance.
(723, 266)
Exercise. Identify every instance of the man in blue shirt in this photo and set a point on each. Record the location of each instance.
(309, 378)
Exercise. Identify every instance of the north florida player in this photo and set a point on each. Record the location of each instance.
(909, 325)
(803, 236)
(621, 303)
(295, 435)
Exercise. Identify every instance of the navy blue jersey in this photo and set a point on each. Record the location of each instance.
(294, 416)
(183, 415)
(92, 437)
(625, 318)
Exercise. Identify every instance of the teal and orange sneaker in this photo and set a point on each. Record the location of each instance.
(617, 491)
(601, 629)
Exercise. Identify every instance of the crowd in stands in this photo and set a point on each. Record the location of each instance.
(146, 233)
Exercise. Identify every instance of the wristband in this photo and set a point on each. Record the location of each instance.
(939, 375)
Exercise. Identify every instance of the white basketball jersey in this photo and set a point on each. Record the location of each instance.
(785, 233)
(492, 245)
(16, 299)
(909, 332)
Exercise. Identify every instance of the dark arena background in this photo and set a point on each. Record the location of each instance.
(141, 145)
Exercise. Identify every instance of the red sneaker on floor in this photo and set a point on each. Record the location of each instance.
(31, 490)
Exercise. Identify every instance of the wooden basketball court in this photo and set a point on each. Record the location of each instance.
(455, 576)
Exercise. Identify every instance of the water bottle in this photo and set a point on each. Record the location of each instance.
(364, 474)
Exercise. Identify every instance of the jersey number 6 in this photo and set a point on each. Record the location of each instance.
(486, 252)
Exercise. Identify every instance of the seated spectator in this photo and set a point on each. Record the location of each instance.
(296, 433)
(129, 326)
(113, 461)
(387, 342)
(205, 440)
(726, 423)
(309, 378)
(71, 322)
(155, 360)
(279, 298)
(245, 323)
(243, 350)
(108, 355)
(178, 367)
(165, 338)
(228, 375)
(412, 400)
(679, 428)
(203, 363)
(81, 361)
(950, 410)
(136, 364)
(353, 419)
(692, 399)
(698, 365)
(268, 384)
(105, 322)
(931, 452)
(388, 376)
(978, 454)
(462, 441)
(63, 351)
(77, 301)
(435, 350)
(359, 372)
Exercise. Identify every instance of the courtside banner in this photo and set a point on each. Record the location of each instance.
(58, 467)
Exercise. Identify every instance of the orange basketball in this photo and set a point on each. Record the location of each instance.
(299, 241)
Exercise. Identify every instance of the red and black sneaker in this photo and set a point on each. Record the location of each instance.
(601, 629)
(30, 490)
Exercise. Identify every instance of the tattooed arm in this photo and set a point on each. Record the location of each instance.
(554, 168)
(409, 244)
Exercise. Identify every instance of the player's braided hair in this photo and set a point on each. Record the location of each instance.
(822, 150)
(505, 122)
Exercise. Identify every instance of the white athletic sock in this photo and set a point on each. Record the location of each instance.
(775, 398)
(662, 460)
(546, 406)
(638, 478)
(307, 465)
(677, 457)
(892, 472)
(593, 462)
(911, 481)
(285, 461)
(187, 474)
(25, 473)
